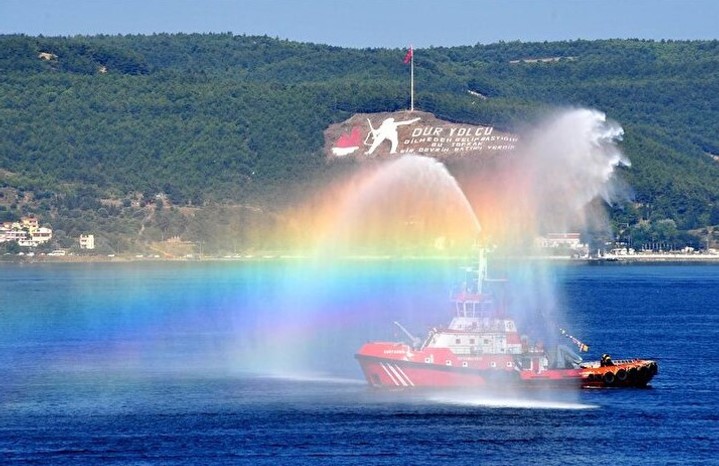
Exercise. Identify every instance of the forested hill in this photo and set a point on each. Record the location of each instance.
(93, 128)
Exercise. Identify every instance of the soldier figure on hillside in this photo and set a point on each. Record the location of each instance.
(386, 131)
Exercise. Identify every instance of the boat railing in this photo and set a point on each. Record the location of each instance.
(477, 309)
(615, 362)
(625, 361)
(493, 325)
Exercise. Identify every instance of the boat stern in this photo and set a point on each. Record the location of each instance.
(622, 373)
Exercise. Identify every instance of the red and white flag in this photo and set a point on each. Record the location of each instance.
(408, 57)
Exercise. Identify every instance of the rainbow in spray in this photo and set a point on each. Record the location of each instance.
(415, 206)
(313, 313)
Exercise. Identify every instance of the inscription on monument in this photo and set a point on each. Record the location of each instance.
(386, 134)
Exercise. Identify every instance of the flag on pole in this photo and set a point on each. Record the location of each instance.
(582, 347)
(408, 57)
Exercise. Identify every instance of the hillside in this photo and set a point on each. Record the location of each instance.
(209, 137)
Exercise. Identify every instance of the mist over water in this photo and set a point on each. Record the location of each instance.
(569, 162)
(128, 322)
(325, 307)
(304, 319)
(560, 180)
(251, 362)
(551, 184)
(508, 399)
(411, 204)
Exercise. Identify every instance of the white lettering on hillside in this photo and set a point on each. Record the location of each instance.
(456, 139)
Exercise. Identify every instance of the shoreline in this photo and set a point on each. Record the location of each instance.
(269, 257)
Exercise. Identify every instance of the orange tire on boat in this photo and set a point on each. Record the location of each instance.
(621, 375)
(609, 378)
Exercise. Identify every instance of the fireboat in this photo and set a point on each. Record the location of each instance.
(482, 347)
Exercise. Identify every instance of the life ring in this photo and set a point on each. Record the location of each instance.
(609, 378)
(621, 375)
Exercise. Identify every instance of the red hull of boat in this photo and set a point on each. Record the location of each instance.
(395, 365)
(389, 373)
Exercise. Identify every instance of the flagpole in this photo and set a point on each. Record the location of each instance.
(411, 80)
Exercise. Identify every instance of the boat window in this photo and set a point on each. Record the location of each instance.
(448, 362)
(457, 341)
(464, 363)
(492, 364)
(509, 363)
(471, 341)
(427, 360)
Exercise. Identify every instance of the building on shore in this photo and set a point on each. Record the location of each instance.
(87, 241)
(568, 242)
(26, 232)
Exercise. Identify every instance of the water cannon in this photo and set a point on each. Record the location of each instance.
(416, 342)
(582, 346)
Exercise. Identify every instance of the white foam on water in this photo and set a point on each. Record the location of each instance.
(313, 378)
(516, 403)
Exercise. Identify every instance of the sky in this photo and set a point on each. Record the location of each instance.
(372, 23)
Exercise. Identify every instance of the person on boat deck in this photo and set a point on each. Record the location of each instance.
(606, 360)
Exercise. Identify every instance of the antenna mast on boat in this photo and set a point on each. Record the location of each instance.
(482, 268)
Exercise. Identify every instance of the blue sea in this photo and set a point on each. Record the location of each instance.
(252, 363)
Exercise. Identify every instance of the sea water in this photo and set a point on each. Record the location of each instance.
(252, 363)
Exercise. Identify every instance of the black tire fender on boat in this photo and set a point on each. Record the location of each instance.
(653, 368)
(590, 377)
(621, 375)
(608, 378)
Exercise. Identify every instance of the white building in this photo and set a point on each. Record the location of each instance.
(87, 241)
(12, 232)
(556, 240)
(26, 233)
(41, 235)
